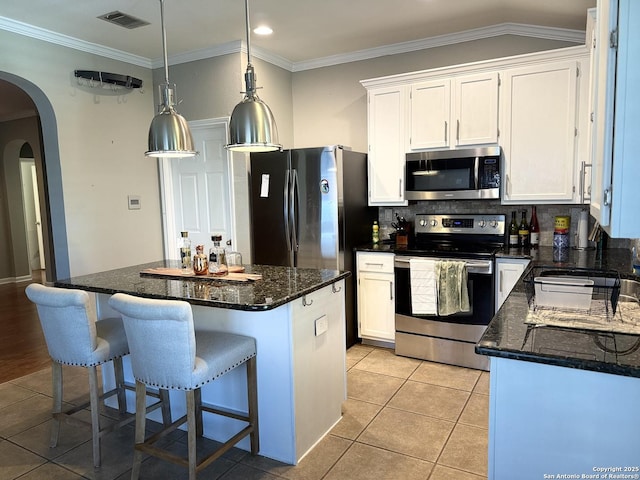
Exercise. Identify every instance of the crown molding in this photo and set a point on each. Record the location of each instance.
(550, 33)
(66, 41)
(238, 46)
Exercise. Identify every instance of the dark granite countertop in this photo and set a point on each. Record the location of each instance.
(509, 336)
(279, 285)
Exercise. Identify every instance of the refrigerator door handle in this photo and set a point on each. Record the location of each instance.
(287, 231)
(294, 213)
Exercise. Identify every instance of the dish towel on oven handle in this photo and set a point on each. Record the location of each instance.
(424, 286)
(453, 294)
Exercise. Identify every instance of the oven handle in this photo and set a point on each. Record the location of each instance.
(484, 267)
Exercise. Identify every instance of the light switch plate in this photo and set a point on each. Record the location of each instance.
(134, 202)
(322, 325)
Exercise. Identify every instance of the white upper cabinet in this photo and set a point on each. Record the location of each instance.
(535, 106)
(538, 132)
(386, 127)
(457, 112)
(616, 116)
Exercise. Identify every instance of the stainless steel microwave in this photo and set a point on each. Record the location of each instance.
(453, 174)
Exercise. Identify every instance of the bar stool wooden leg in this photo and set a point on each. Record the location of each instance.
(252, 389)
(166, 406)
(94, 401)
(56, 382)
(122, 393)
(198, 403)
(141, 418)
(191, 432)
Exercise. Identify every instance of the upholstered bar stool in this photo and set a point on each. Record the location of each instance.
(167, 352)
(74, 337)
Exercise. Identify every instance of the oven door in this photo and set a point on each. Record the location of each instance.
(448, 339)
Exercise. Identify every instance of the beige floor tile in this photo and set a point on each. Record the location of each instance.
(483, 384)
(466, 449)
(363, 462)
(245, 472)
(21, 416)
(117, 456)
(15, 461)
(446, 376)
(371, 387)
(476, 412)
(356, 415)
(50, 471)
(36, 439)
(433, 400)
(386, 362)
(11, 394)
(356, 353)
(445, 473)
(313, 466)
(407, 433)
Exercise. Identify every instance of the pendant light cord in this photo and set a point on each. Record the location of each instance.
(246, 11)
(164, 44)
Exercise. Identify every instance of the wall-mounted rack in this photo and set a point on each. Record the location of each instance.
(101, 79)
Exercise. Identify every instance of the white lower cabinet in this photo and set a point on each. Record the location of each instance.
(376, 292)
(508, 272)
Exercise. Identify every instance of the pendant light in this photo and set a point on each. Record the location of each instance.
(169, 134)
(252, 127)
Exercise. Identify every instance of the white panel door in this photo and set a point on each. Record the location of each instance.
(475, 107)
(198, 190)
(430, 113)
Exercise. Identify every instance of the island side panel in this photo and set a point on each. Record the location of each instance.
(319, 364)
(549, 420)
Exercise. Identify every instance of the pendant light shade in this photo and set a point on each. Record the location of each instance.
(169, 134)
(252, 127)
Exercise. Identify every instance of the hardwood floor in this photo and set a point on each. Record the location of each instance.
(22, 346)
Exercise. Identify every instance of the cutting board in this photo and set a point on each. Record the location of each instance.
(176, 274)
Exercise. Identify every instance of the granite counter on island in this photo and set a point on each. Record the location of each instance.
(297, 317)
(562, 400)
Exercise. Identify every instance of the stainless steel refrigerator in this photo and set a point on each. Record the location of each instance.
(309, 210)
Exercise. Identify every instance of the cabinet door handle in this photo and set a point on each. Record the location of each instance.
(390, 290)
(374, 264)
(445, 131)
(500, 282)
(457, 130)
(400, 188)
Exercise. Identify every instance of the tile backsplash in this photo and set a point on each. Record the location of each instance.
(546, 217)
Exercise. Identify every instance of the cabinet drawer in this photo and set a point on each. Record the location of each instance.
(375, 262)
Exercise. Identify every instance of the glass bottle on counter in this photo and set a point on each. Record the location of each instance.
(184, 245)
(523, 231)
(217, 257)
(513, 231)
(375, 234)
(534, 229)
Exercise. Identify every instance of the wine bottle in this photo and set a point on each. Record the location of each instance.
(523, 231)
(513, 231)
(534, 229)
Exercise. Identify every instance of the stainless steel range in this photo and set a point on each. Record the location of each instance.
(449, 338)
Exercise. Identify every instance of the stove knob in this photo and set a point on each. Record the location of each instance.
(422, 222)
(493, 223)
(433, 223)
(482, 224)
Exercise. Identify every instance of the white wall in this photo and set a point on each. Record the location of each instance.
(102, 138)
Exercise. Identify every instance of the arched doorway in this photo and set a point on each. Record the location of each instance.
(47, 163)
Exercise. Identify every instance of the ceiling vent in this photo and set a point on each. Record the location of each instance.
(123, 20)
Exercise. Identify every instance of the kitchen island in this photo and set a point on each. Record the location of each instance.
(563, 401)
(297, 317)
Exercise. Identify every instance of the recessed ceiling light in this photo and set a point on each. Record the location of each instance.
(262, 30)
